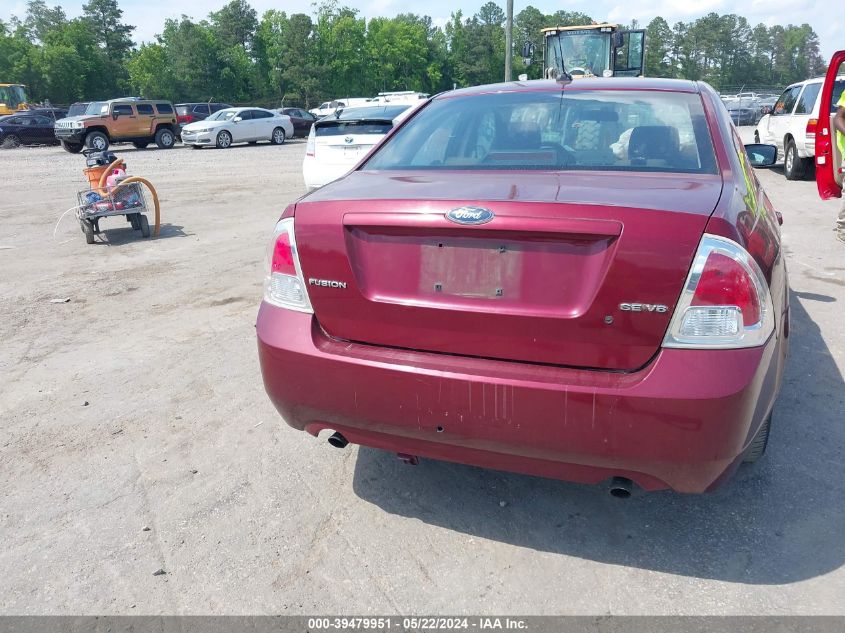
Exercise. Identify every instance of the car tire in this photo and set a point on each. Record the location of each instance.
(141, 145)
(224, 139)
(794, 167)
(144, 225)
(12, 140)
(279, 137)
(97, 141)
(758, 445)
(73, 148)
(165, 138)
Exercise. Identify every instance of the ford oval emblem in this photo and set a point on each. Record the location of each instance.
(470, 215)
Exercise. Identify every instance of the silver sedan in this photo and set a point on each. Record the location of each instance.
(238, 125)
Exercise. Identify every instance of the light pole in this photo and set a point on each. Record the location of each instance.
(508, 40)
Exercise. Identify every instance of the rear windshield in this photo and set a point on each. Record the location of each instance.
(609, 130)
(372, 112)
(339, 128)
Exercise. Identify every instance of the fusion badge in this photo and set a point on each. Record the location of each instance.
(326, 283)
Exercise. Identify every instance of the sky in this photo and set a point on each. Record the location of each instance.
(149, 15)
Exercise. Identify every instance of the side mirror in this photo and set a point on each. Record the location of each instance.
(237, 119)
(760, 155)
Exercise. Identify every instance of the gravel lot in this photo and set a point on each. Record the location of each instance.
(136, 436)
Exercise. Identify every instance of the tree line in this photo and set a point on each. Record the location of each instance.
(237, 56)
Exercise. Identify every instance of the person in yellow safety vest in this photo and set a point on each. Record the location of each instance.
(839, 124)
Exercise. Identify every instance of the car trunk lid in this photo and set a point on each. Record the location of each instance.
(543, 281)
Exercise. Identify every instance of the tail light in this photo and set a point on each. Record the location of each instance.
(811, 131)
(311, 145)
(284, 285)
(725, 302)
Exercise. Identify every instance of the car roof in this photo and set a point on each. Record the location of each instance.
(134, 100)
(593, 83)
(242, 108)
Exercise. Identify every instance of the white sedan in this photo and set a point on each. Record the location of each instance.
(238, 125)
(339, 141)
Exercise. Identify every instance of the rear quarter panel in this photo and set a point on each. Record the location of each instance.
(745, 213)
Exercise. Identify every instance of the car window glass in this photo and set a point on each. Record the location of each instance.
(598, 130)
(42, 120)
(201, 109)
(144, 108)
(787, 100)
(261, 114)
(13, 121)
(224, 115)
(807, 100)
(164, 108)
(245, 115)
(123, 109)
(838, 89)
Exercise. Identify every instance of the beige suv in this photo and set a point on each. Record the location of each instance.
(136, 121)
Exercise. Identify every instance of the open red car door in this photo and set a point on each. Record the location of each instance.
(828, 158)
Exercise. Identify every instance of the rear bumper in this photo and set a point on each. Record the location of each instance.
(316, 174)
(682, 422)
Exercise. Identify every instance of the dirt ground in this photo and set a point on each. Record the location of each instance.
(136, 437)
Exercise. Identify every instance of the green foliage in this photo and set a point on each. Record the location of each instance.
(282, 59)
(725, 50)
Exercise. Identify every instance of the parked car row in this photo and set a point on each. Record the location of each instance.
(747, 108)
(408, 97)
(791, 125)
(98, 124)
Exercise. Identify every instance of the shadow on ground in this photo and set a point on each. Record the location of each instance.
(777, 521)
(129, 149)
(125, 234)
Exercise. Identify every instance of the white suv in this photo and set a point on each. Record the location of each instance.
(792, 125)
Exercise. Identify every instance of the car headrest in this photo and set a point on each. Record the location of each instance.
(653, 142)
(523, 135)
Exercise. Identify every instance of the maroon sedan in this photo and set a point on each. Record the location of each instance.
(579, 281)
